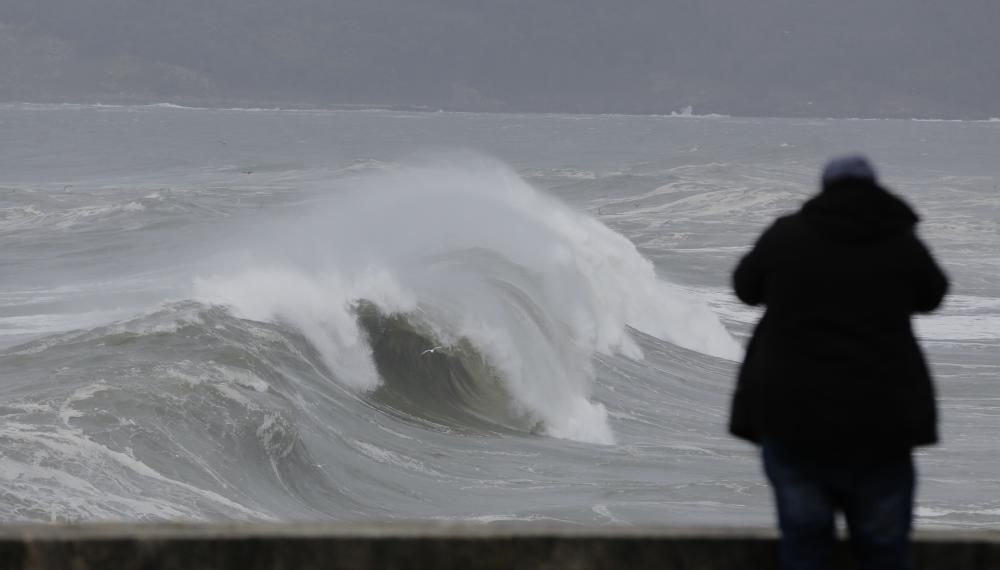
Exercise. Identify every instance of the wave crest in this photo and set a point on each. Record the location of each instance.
(474, 257)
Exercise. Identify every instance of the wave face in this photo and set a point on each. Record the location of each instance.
(183, 413)
(484, 272)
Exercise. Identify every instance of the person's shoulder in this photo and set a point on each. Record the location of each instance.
(787, 220)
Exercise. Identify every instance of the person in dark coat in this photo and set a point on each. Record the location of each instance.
(834, 386)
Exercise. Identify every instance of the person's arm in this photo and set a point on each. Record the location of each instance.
(751, 272)
(929, 281)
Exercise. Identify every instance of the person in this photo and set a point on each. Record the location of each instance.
(834, 387)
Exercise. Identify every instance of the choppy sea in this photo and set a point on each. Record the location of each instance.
(373, 315)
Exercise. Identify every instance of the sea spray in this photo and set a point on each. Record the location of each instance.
(468, 251)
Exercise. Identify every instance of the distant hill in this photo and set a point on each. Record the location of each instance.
(885, 58)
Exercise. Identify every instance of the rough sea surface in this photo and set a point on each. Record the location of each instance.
(322, 315)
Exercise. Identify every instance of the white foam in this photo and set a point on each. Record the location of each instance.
(72, 450)
(87, 502)
(931, 512)
(688, 113)
(958, 327)
(396, 459)
(604, 511)
(66, 410)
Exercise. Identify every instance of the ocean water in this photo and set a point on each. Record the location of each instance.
(375, 315)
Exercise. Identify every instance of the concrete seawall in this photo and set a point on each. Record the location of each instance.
(430, 546)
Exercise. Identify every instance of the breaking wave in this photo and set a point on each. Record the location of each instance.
(461, 287)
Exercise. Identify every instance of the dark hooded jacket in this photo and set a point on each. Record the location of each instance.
(833, 363)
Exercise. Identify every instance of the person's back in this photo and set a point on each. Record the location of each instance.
(833, 375)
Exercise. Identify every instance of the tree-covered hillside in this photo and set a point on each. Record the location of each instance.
(765, 57)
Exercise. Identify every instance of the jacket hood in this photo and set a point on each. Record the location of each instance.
(858, 211)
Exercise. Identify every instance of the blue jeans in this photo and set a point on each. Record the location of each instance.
(874, 491)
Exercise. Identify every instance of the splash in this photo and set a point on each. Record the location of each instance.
(473, 254)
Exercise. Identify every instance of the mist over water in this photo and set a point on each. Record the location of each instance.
(286, 316)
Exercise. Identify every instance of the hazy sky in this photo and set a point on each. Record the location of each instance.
(925, 58)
